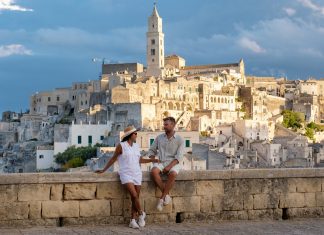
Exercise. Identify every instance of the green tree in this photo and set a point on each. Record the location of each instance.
(292, 119)
(84, 153)
(74, 162)
(315, 127)
(310, 133)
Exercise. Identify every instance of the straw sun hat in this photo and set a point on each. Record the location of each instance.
(128, 131)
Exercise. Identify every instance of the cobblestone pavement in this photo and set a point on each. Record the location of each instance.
(291, 227)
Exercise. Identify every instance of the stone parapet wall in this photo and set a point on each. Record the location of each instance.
(86, 198)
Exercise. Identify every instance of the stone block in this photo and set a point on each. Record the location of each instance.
(307, 185)
(217, 203)
(265, 201)
(34, 192)
(93, 208)
(181, 189)
(310, 200)
(277, 214)
(233, 203)
(110, 190)
(291, 200)
(79, 191)
(159, 218)
(148, 189)
(94, 221)
(35, 209)
(234, 215)
(248, 202)
(186, 204)
(312, 212)
(150, 206)
(127, 206)
(260, 201)
(319, 198)
(278, 186)
(117, 206)
(14, 211)
(56, 192)
(8, 193)
(260, 214)
(210, 187)
(206, 204)
(56, 209)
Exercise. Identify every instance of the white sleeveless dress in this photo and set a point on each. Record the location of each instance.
(129, 166)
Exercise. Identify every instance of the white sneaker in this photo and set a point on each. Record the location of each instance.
(167, 200)
(159, 206)
(133, 224)
(141, 221)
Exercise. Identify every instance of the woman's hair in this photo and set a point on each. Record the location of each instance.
(126, 138)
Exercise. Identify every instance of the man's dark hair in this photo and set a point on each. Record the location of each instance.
(171, 119)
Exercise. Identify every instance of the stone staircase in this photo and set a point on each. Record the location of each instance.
(184, 119)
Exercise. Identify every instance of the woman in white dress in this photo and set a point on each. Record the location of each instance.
(129, 158)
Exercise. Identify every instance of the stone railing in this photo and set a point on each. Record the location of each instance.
(86, 198)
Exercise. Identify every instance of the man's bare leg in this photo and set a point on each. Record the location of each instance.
(157, 178)
(169, 184)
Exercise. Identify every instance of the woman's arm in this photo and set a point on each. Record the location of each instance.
(145, 160)
(112, 160)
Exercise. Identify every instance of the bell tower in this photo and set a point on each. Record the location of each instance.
(155, 45)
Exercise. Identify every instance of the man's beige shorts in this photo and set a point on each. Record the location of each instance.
(161, 166)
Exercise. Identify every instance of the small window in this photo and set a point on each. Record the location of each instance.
(152, 51)
(79, 139)
(151, 142)
(187, 143)
(153, 41)
(89, 139)
(41, 156)
(49, 99)
(58, 98)
(102, 137)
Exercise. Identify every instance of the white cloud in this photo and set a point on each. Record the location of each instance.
(10, 5)
(250, 45)
(289, 11)
(14, 49)
(313, 6)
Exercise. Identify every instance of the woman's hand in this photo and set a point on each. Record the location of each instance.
(99, 171)
(156, 160)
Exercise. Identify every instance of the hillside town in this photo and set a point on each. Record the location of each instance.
(229, 120)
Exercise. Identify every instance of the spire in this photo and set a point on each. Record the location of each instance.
(155, 12)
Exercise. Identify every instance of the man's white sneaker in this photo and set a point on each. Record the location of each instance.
(133, 224)
(167, 200)
(141, 219)
(159, 206)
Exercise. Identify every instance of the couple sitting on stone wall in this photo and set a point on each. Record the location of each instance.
(168, 147)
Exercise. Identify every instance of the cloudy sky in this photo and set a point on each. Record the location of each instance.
(50, 43)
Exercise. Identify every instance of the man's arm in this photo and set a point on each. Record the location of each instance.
(153, 149)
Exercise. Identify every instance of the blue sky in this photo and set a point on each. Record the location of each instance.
(50, 43)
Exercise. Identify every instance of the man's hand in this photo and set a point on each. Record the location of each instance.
(166, 169)
(99, 171)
